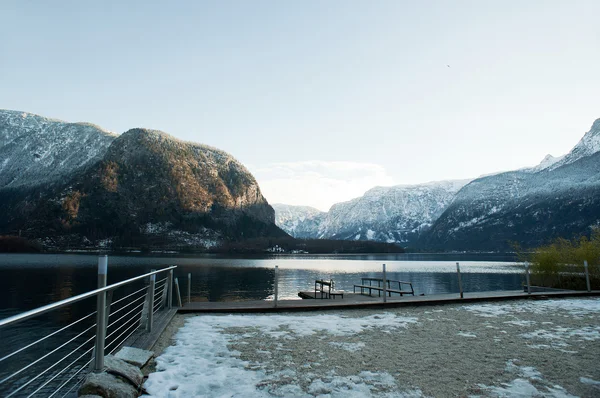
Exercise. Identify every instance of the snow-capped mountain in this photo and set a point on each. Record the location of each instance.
(560, 197)
(547, 162)
(299, 221)
(589, 144)
(527, 206)
(386, 214)
(35, 150)
(74, 184)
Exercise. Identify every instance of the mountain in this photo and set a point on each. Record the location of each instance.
(396, 214)
(560, 197)
(35, 150)
(301, 222)
(74, 185)
(589, 145)
(529, 206)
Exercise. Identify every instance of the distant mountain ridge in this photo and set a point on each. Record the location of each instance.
(560, 197)
(74, 184)
(529, 208)
(395, 214)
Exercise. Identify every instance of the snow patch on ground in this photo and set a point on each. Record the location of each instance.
(352, 347)
(590, 382)
(200, 364)
(575, 307)
(529, 383)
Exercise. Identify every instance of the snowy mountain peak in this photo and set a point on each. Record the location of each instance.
(588, 145)
(36, 150)
(389, 214)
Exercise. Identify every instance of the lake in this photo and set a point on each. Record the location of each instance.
(29, 281)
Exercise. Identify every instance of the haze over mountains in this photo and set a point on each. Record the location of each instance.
(558, 198)
(77, 185)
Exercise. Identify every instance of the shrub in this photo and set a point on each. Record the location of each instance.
(560, 264)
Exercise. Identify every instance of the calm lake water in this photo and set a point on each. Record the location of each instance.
(30, 281)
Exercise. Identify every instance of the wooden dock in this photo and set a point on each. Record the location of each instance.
(358, 301)
(145, 341)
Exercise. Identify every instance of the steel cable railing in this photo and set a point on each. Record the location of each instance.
(46, 337)
(62, 367)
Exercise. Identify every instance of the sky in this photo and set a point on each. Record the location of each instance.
(321, 100)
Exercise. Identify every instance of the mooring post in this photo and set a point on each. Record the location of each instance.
(384, 285)
(178, 292)
(170, 289)
(587, 276)
(150, 298)
(100, 314)
(460, 289)
(276, 286)
(189, 288)
(528, 278)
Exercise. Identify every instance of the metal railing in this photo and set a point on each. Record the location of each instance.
(56, 361)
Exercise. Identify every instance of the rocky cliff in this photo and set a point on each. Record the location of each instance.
(143, 187)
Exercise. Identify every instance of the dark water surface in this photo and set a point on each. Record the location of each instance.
(31, 281)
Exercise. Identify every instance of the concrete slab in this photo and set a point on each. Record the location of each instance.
(134, 356)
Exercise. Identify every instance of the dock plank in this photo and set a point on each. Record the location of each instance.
(145, 341)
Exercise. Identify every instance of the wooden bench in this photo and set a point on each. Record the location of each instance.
(326, 289)
(379, 288)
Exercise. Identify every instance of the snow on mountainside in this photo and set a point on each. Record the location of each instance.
(35, 150)
(299, 221)
(548, 161)
(530, 207)
(386, 214)
(588, 145)
(558, 197)
(76, 185)
(390, 214)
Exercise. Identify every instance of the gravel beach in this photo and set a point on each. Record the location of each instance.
(527, 348)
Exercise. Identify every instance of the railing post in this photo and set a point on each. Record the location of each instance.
(276, 287)
(384, 285)
(587, 276)
(101, 314)
(178, 293)
(460, 289)
(189, 288)
(150, 298)
(170, 289)
(528, 278)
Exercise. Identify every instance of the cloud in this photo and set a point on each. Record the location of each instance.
(318, 183)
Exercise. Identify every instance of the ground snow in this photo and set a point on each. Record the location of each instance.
(575, 307)
(530, 383)
(329, 354)
(200, 364)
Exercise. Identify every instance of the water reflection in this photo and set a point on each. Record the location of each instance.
(30, 281)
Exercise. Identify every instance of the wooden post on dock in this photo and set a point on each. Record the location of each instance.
(460, 288)
(276, 286)
(527, 278)
(178, 293)
(189, 288)
(100, 315)
(587, 276)
(384, 285)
